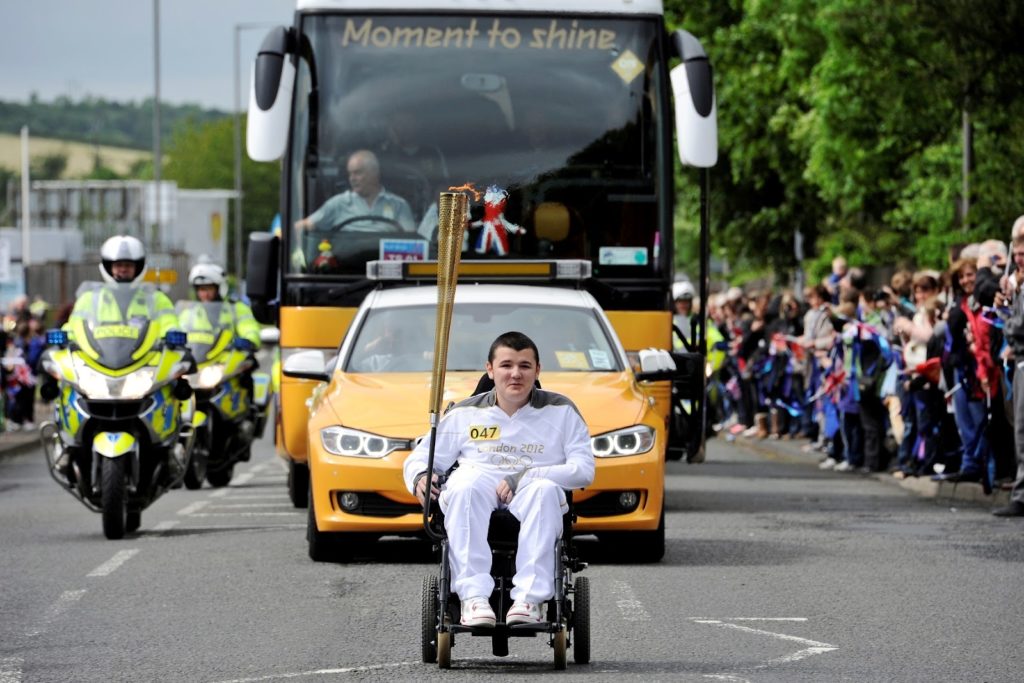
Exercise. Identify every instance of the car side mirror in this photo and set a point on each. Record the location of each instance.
(306, 365)
(656, 365)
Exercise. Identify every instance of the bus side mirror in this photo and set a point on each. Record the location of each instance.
(261, 276)
(696, 111)
(270, 97)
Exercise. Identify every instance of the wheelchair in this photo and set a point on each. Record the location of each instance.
(568, 613)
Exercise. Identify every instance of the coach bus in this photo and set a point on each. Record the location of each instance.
(565, 109)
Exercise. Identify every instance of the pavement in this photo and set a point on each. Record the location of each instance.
(792, 450)
(16, 442)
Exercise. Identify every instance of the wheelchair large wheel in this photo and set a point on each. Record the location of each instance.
(444, 650)
(560, 643)
(581, 621)
(428, 625)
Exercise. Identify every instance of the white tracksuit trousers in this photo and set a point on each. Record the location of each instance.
(467, 500)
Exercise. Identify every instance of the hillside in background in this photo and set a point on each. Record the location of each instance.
(81, 158)
(98, 121)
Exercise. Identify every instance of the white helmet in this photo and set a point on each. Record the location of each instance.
(206, 274)
(682, 290)
(122, 248)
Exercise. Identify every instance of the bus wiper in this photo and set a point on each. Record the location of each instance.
(335, 293)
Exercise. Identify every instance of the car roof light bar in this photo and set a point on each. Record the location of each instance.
(493, 271)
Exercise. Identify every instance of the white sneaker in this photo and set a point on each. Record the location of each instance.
(477, 612)
(525, 613)
(844, 467)
(28, 426)
(828, 463)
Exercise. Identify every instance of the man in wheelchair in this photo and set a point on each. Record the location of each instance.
(518, 448)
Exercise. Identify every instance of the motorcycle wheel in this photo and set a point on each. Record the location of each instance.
(196, 473)
(221, 477)
(112, 497)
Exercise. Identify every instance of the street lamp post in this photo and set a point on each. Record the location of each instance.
(239, 232)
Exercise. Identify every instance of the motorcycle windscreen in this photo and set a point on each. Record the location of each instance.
(209, 326)
(116, 328)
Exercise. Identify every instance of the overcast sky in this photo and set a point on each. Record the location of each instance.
(105, 48)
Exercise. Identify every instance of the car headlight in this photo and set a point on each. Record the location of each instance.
(629, 441)
(211, 376)
(357, 444)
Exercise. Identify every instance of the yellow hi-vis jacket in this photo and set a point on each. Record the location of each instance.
(100, 306)
(234, 315)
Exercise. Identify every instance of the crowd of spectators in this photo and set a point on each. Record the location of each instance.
(914, 376)
(22, 340)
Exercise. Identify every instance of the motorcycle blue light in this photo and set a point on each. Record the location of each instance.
(175, 339)
(243, 344)
(56, 337)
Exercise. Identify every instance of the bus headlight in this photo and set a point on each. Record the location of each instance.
(356, 444)
(629, 441)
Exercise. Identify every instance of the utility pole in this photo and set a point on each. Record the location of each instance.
(155, 236)
(26, 213)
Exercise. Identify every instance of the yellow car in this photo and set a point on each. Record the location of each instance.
(373, 406)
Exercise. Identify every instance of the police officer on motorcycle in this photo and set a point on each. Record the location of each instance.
(123, 261)
(207, 280)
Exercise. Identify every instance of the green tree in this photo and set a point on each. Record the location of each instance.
(201, 155)
(844, 118)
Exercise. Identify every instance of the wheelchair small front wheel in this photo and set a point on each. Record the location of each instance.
(444, 650)
(560, 643)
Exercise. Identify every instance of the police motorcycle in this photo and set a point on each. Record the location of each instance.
(234, 398)
(122, 431)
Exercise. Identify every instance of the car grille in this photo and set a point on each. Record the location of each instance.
(376, 505)
(603, 505)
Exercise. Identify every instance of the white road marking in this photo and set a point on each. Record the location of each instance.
(193, 508)
(630, 608)
(236, 527)
(321, 672)
(111, 565)
(10, 669)
(229, 506)
(247, 514)
(249, 495)
(814, 647)
(242, 479)
(780, 636)
(258, 468)
(727, 677)
(716, 619)
(64, 602)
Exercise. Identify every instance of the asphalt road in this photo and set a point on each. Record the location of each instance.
(774, 572)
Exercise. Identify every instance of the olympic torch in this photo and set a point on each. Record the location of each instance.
(451, 224)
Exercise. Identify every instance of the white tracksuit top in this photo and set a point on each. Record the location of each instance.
(545, 439)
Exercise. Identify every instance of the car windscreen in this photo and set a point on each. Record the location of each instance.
(401, 339)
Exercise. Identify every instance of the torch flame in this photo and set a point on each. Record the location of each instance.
(467, 187)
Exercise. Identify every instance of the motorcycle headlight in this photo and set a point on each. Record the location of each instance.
(92, 383)
(629, 441)
(357, 444)
(211, 376)
(138, 384)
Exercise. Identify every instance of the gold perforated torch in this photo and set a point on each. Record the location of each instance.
(451, 225)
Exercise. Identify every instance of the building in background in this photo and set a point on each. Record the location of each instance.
(177, 226)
